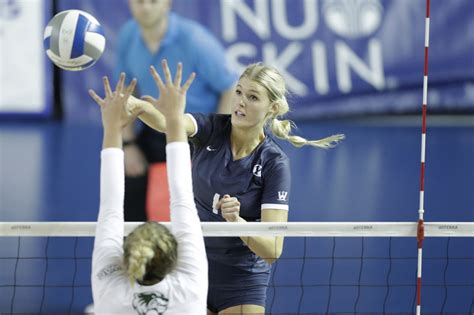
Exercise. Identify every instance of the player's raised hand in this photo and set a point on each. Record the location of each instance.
(172, 101)
(136, 106)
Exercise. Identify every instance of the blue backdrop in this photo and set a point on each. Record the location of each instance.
(339, 57)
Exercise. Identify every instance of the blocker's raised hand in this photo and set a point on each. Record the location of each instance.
(113, 105)
(172, 101)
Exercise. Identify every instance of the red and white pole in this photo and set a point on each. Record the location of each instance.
(420, 232)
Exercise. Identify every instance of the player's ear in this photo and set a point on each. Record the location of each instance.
(274, 108)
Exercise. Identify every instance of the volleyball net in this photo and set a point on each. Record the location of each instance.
(325, 268)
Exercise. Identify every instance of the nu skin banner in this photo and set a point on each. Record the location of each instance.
(357, 56)
(354, 56)
(339, 57)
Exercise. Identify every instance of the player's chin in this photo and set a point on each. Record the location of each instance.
(239, 121)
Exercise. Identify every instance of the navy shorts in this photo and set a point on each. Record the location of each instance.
(236, 278)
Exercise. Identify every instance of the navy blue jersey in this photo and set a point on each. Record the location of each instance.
(259, 181)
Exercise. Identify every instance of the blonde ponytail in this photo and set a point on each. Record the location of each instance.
(282, 128)
(139, 257)
(150, 251)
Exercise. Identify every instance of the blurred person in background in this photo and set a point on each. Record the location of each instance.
(154, 34)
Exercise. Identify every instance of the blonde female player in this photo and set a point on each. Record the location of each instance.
(239, 174)
(154, 271)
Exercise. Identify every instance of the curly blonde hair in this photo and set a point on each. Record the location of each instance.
(150, 253)
(274, 83)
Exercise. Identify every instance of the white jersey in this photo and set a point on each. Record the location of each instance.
(184, 291)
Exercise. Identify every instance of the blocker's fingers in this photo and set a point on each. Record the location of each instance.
(130, 88)
(107, 89)
(179, 75)
(120, 83)
(188, 82)
(157, 78)
(96, 98)
(166, 71)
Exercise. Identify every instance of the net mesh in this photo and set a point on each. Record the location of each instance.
(346, 274)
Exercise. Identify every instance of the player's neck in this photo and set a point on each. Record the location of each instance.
(244, 141)
(153, 35)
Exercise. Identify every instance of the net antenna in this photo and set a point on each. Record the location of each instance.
(420, 230)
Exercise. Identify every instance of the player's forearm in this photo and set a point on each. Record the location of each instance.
(154, 119)
(110, 218)
(267, 247)
(184, 216)
(175, 131)
(112, 138)
(150, 115)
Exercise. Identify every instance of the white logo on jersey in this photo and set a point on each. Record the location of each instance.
(210, 149)
(150, 303)
(282, 195)
(257, 170)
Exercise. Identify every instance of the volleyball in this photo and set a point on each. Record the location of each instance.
(74, 40)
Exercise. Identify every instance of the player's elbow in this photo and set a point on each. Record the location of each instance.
(273, 255)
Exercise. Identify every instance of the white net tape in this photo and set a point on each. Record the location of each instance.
(314, 229)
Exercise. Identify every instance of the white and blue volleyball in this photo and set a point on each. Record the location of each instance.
(74, 40)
